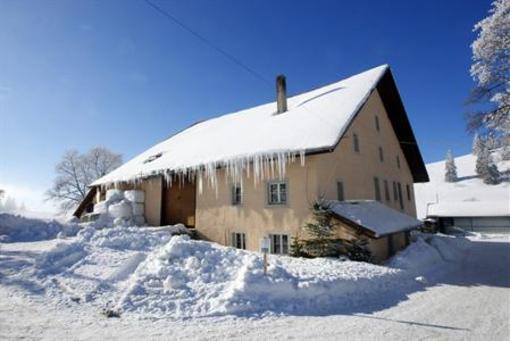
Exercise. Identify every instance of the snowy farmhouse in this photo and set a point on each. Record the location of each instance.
(467, 203)
(254, 174)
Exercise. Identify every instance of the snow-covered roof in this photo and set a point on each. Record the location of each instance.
(488, 208)
(373, 216)
(315, 121)
(469, 196)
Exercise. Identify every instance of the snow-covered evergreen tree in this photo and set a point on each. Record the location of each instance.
(492, 175)
(493, 141)
(321, 232)
(505, 152)
(478, 144)
(486, 168)
(491, 72)
(297, 247)
(450, 168)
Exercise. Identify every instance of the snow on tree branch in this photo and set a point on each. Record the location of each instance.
(491, 72)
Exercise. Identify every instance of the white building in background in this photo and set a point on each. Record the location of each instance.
(467, 203)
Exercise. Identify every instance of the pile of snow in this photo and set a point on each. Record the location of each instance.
(156, 272)
(121, 208)
(428, 251)
(188, 278)
(132, 237)
(60, 258)
(16, 228)
(416, 257)
(469, 196)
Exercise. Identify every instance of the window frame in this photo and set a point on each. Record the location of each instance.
(279, 202)
(395, 191)
(377, 189)
(387, 195)
(234, 199)
(377, 124)
(400, 197)
(381, 154)
(340, 185)
(280, 236)
(408, 190)
(234, 239)
(398, 161)
(355, 143)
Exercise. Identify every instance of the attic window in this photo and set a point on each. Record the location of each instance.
(153, 157)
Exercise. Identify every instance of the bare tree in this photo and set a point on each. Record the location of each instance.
(76, 171)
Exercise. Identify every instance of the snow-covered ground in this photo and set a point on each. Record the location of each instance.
(174, 287)
(468, 196)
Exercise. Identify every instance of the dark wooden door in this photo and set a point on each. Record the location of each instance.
(178, 204)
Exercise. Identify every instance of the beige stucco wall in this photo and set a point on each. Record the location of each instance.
(357, 170)
(216, 218)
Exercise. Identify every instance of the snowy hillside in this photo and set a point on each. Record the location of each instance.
(468, 196)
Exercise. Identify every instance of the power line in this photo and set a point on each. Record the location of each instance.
(204, 40)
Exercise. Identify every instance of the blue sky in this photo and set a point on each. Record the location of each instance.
(76, 74)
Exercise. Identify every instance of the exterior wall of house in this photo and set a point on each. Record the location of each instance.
(356, 170)
(379, 247)
(217, 218)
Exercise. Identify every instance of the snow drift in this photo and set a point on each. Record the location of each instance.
(187, 278)
(15, 228)
(151, 272)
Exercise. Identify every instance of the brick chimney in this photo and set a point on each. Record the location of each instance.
(281, 94)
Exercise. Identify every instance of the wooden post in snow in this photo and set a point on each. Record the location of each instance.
(264, 248)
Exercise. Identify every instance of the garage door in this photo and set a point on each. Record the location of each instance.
(484, 224)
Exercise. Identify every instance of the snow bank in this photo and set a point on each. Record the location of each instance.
(134, 238)
(60, 258)
(450, 248)
(91, 244)
(150, 272)
(416, 257)
(430, 250)
(187, 278)
(15, 228)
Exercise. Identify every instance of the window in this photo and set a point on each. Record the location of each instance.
(340, 191)
(395, 192)
(377, 124)
(277, 193)
(377, 189)
(355, 142)
(398, 162)
(401, 201)
(153, 157)
(236, 195)
(279, 244)
(408, 190)
(238, 240)
(386, 191)
(381, 155)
